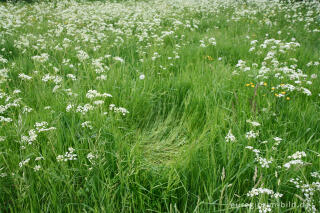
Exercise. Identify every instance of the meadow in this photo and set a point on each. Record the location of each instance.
(160, 106)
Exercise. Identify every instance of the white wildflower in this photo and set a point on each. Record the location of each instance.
(230, 137)
(37, 168)
(141, 77)
(87, 124)
(24, 76)
(252, 134)
(254, 123)
(22, 163)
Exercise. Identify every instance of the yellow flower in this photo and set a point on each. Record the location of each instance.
(272, 88)
(210, 58)
(265, 84)
(247, 85)
(288, 98)
(252, 85)
(276, 94)
(283, 93)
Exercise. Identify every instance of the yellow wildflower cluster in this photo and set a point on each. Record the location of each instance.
(250, 85)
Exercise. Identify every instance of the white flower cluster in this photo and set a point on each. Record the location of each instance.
(212, 41)
(298, 155)
(26, 109)
(82, 109)
(277, 142)
(68, 156)
(3, 174)
(264, 163)
(117, 58)
(37, 168)
(92, 158)
(3, 75)
(253, 123)
(43, 126)
(308, 191)
(258, 191)
(55, 78)
(251, 134)
(82, 55)
(30, 138)
(296, 159)
(41, 58)
(72, 77)
(264, 208)
(208, 41)
(87, 124)
(3, 60)
(32, 134)
(24, 162)
(70, 93)
(99, 66)
(91, 94)
(101, 77)
(230, 137)
(115, 109)
(9, 102)
(315, 174)
(4, 119)
(24, 76)
(94, 94)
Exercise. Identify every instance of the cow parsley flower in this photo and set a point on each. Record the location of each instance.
(259, 191)
(117, 58)
(82, 55)
(230, 137)
(252, 134)
(264, 208)
(37, 168)
(68, 156)
(254, 123)
(24, 76)
(87, 124)
(24, 162)
(293, 162)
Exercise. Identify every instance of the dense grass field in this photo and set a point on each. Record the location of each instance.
(160, 106)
